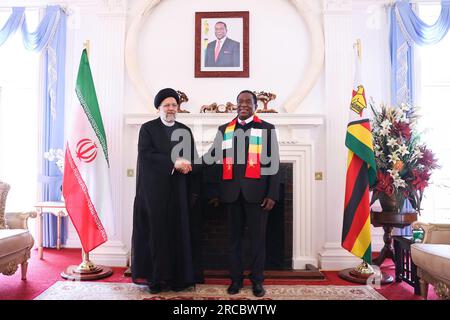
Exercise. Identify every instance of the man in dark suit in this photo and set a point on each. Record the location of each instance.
(247, 148)
(222, 52)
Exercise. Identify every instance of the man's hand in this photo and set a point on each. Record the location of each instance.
(267, 204)
(182, 165)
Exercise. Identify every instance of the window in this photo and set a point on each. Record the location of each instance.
(19, 105)
(433, 96)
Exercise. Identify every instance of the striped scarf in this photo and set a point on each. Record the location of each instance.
(253, 166)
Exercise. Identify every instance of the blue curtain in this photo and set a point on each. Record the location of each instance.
(407, 29)
(50, 39)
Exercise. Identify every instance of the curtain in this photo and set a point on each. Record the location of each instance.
(407, 29)
(50, 39)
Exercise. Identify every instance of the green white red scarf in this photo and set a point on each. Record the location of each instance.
(253, 166)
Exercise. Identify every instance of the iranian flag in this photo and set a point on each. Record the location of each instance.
(86, 186)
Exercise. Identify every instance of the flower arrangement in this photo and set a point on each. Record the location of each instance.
(404, 163)
(56, 155)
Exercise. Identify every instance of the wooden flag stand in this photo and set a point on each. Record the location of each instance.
(365, 274)
(86, 270)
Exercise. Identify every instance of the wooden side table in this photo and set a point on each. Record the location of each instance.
(405, 269)
(56, 208)
(389, 220)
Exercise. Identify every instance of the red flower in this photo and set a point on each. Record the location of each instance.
(402, 129)
(420, 181)
(428, 160)
(384, 183)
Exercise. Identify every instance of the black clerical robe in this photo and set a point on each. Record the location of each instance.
(162, 218)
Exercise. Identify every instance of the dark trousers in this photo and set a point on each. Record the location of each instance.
(241, 212)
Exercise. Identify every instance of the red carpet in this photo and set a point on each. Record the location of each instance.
(43, 273)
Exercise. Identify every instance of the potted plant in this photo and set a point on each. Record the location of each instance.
(404, 166)
(404, 163)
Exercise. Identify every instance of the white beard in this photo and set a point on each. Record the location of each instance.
(168, 118)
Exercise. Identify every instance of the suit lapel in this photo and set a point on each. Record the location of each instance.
(224, 46)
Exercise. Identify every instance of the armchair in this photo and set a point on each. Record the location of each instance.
(15, 239)
(432, 258)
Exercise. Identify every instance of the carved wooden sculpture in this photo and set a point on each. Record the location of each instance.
(183, 98)
(218, 108)
(265, 98)
(209, 108)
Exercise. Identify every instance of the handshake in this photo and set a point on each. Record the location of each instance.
(182, 165)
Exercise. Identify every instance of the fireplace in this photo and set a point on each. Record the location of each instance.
(214, 231)
(297, 247)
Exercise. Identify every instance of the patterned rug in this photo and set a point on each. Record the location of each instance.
(75, 290)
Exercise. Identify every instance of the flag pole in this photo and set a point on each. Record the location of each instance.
(364, 273)
(357, 45)
(87, 46)
(86, 270)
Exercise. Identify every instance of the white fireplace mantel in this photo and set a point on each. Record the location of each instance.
(291, 128)
(296, 142)
(303, 120)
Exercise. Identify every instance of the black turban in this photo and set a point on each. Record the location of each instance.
(166, 93)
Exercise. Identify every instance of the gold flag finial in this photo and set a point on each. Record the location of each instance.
(357, 45)
(86, 45)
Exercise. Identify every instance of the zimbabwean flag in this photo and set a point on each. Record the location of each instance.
(361, 172)
(86, 185)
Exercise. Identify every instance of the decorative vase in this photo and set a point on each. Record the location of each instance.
(388, 203)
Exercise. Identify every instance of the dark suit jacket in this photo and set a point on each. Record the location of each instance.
(228, 56)
(253, 190)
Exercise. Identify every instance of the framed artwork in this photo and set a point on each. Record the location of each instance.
(221, 44)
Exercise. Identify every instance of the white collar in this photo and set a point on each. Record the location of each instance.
(167, 124)
(222, 40)
(247, 121)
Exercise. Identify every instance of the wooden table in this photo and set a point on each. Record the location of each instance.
(56, 208)
(389, 220)
(405, 269)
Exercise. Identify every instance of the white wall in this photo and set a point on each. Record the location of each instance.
(370, 24)
(279, 45)
(278, 51)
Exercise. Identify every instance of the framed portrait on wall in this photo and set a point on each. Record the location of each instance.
(221, 44)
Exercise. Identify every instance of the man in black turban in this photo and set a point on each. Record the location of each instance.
(162, 253)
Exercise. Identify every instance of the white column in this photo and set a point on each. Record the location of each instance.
(339, 60)
(108, 58)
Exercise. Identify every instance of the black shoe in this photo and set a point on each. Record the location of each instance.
(181, 288)
(258, 289)
(234, 287)
(157, 287)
